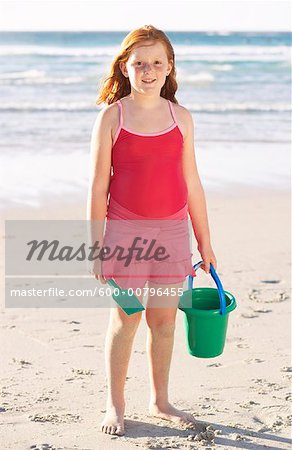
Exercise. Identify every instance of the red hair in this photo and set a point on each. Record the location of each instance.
(116, 85)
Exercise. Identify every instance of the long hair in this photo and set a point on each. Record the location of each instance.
(116, 85)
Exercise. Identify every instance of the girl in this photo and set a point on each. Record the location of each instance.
(148, 138)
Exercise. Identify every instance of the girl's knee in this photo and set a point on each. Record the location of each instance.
(119, 319)
(162, 330)
(161, 318)
(163, 325)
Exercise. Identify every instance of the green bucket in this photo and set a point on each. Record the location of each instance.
(206, 312)
(129, 303)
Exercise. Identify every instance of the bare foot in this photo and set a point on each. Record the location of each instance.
(169, 412)
(113, 422)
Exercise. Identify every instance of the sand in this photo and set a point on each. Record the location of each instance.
(53, 386)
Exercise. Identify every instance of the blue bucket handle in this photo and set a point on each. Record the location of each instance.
(218, 284)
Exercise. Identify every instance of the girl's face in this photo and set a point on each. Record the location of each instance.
(147, 67)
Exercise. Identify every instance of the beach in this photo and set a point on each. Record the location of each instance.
(53, 378)
(237, 87)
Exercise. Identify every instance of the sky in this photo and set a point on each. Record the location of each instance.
(191, 15)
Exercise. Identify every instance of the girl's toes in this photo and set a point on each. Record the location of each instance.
(191, 420)
(189, 423)
(120, 431)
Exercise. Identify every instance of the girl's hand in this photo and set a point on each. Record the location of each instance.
(208, 257)
(96, 270)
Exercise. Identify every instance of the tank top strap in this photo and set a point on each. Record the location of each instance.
(120, 122)
(174, 118)
(121, 113)
(172, 111)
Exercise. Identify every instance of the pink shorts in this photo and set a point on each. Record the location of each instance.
(142, 249)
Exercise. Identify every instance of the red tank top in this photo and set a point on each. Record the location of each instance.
(147, 170)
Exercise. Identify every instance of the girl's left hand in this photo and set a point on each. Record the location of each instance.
(208, 257)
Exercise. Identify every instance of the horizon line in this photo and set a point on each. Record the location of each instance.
(128, 30)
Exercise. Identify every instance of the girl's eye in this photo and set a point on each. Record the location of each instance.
(139, 63)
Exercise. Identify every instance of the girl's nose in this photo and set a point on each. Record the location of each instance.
(147, 67)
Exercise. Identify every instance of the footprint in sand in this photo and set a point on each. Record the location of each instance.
(242, 345)
(251, 360)
(279, 422)
(42, 447)
(21, 362)
(274, 424)
(82, 371)
(249, 315)
(160, 443)
(268, 296)
(261, 310)
(44, 399)
(279, 297)
(248, 404)
(205, 437)
(286, 369)
(265, 387)
(254, 294)
(271, 281)
(55, 418)
(260, 381)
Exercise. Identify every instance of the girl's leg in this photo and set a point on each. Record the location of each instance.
(118, 345)
(160, 338)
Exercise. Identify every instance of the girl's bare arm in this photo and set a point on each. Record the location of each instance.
(196, 197)
(100, 172)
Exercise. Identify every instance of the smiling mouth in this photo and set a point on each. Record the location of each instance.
(149, 81)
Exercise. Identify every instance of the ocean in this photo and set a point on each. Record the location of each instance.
(236, 85)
